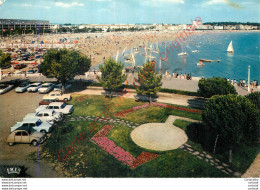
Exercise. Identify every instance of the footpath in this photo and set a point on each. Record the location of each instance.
(191, 101)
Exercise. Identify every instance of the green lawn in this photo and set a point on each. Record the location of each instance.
(89, 160)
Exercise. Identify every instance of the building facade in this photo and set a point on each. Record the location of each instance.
(13, 24)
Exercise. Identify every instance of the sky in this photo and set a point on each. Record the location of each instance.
(131, 11)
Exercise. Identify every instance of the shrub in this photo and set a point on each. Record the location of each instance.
(255, 99)
(233, 117)
(215, 86)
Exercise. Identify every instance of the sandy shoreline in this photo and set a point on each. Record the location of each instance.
(100, 46)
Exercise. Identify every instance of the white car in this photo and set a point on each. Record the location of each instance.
(5, 88)
(58, 107)
(35, 123)
(22, 87)
(59, 86)
(46, 88)
(34, 87)
(56, 95)
(46, 115)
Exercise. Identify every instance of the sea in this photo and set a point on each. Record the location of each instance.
(211, 46)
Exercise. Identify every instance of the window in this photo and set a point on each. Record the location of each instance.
(25, 125)
(40, 114)
(63, 106)
(31, 124)
(53, 95)
(46, 114)
(56, 107)
(24, 133)
(18, 134)
(50, 107)
(38, 123)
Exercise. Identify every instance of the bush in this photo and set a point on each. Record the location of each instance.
(233, 117)
(255, 99)
(215, 86)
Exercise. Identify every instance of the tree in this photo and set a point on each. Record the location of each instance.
(255, 99)
(5, 60)
(150, 82)
(112, 77)
(215, 86)
(234, 118)
(64, 65)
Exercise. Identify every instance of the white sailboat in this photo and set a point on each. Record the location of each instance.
(182, 53)
(166, 58)
(230, 48)
(124, 51)
(117, 55)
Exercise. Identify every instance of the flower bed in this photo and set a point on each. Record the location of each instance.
(144, 157)
(119, 153)
(140, 107)
(123, 113)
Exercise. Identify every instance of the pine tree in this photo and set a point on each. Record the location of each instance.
(149, 82)
(112, 77)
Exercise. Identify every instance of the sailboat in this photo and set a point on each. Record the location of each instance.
(156, 50)
(117, 56)
(230, 48)
(182, 53)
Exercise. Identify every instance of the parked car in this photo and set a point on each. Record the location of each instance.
(55, 95)
(46, 88)
(20, 66)
(58, 107)
(46, 115)
(58, 87)
(5, 88)
(22, 87)
(26, 135)
(35, 123)
(31, 72)
(48, 101)
(34, 87)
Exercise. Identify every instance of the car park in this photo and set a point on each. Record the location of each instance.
(22, 87)
(35, 123)
(26, 135)
(56, 95)
(48, 101)
(58, 107)
(34, 87)
(46, 88)
(5, 88)
(46, 115)
(58, 87)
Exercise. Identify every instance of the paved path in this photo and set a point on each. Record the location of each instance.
(176, 99)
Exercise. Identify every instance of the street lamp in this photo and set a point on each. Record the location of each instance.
(248, 78)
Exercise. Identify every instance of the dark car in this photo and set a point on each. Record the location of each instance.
(20, 66)
(48, 101)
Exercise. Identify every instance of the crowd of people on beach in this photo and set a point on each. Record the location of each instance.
(242, 83)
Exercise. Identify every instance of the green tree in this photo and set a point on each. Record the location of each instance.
(215, 86)
(112, 77)
(64, 65)
(234, 118)
(5, 60)
(255, 99)
(150, 82)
